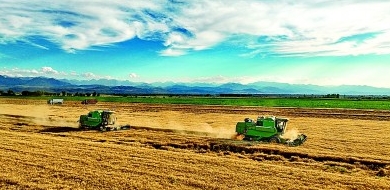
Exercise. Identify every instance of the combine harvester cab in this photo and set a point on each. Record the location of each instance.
(270, 129)
(103, 120)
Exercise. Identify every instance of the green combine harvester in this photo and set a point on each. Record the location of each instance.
(270, 129)
(103, 120)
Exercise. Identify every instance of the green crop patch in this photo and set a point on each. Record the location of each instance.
(237, 101)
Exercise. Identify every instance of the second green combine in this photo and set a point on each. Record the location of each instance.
(103, 120)
(270, 129)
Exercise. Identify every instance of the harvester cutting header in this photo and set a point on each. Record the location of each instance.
(269, 129)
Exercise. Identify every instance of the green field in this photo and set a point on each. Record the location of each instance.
(242, 101)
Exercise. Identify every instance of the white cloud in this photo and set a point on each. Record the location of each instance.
(74, 73)
(346, 79)
(89, 75)
(133, 75)
(74, 24)
(215, 79)
(172, 52)
(49, 70)
(44, 71)
(290, 28)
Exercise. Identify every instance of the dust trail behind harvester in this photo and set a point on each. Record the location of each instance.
(217, 132)
(204, 128)
(50, 116)
(181, 122)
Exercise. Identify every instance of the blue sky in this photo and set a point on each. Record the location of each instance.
(305, 42)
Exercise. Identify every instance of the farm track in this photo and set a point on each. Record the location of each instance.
(185, 147)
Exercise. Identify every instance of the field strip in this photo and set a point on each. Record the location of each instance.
(49, 161)
(115, 165)
(233, 146)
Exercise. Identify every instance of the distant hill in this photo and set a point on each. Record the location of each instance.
(31, 82)
(111, 86)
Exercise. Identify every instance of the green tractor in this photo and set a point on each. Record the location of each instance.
(103, 120)
(270, 129)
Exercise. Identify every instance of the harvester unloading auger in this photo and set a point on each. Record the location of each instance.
(103, 120)
(270, 129)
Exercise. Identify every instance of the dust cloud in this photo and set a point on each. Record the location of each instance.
(217, 132)
(291, 134)
(48, 116)
(181, 122)
(185, 126)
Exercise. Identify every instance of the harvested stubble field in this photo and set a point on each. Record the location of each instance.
(189, 147)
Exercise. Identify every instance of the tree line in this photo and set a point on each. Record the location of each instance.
(44, 93)
(10, 92)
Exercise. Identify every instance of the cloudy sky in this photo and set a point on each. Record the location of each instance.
(325, 42)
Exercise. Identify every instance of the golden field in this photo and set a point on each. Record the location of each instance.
(189, 147)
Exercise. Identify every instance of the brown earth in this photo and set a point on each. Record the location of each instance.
(189, 147)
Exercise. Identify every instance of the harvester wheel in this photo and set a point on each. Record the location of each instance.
(274, 140)
(102, 128)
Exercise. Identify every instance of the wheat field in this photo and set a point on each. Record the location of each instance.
(189, 147)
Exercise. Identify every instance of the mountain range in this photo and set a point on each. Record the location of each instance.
(111, 86)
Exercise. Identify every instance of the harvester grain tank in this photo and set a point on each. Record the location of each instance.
(103, 120)
(269, 129)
